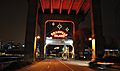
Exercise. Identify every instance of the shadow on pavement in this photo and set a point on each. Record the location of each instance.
(15, 65)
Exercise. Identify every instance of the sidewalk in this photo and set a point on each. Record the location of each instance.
(86, 63)
(77, 62)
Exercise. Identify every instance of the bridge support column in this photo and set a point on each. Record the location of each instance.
(97, 32)
(42, 30)
(30, 31)
(42, 41)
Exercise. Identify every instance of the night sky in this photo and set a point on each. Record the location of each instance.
(13, 15)
(111, 18)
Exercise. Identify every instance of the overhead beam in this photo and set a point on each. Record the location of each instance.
(71, 4)
(51, 6)
(61, 2)
(41, 1)
(38, 4)
(79, 6)
(87, 6)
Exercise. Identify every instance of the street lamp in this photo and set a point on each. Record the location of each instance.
(93, 48)
(89, 38)
(38, 37)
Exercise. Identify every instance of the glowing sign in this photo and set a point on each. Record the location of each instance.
(59, 34)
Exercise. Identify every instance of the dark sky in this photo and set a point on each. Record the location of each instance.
(111, 18)
(13, 15)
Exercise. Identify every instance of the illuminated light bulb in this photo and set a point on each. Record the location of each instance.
(89, 38)
(38, 37)
(52, 34)
(58, 35)
(61, 35)
(59, 31)
(65, 34)
(55, 35)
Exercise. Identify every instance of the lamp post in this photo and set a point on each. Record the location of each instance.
(93, 48)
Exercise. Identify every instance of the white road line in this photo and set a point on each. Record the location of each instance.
(66, 65)
(48, 66)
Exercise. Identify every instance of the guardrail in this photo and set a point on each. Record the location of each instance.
(7, 60)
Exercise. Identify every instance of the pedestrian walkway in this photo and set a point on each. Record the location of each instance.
(77, 62)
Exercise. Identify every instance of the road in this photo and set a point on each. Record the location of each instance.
(56, 65)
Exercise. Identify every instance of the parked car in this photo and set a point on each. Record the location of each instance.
(103, 63)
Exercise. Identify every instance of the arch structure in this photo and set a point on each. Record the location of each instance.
(60, 42)
(41, 11)
(60, 37)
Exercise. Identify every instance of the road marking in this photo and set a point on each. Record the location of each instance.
(66, 65)
(49, 63)
(48, 66)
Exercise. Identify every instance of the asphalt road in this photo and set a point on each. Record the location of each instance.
(56, 65)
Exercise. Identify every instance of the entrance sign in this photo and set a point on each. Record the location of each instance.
(59, 29)
(60, 34)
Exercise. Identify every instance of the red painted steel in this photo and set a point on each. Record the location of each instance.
(68, 5)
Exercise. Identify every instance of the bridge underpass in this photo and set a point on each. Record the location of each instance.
(59, 32)
(59, 48)
(74, 10)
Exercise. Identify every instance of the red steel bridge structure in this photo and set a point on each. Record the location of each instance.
(40, 11)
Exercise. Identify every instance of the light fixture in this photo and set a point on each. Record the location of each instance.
(38, 37)
(89, 38)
